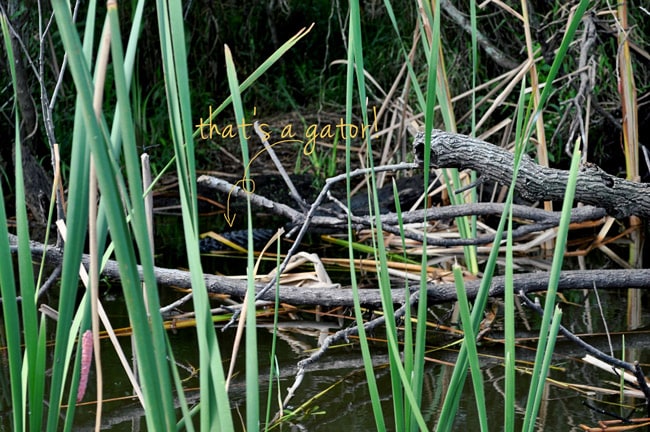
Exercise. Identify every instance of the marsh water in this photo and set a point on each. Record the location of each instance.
(338, 383)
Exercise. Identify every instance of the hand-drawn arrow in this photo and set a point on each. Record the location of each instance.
(226, 216)
(243, 181)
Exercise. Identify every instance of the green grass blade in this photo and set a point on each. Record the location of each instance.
(408, 342)
(539, 374)
(7, 281)
(77, 216)
(274, 369)
(420, 330)
(469, 341)
(355, 45)
(509, 295)
(215, 406)
(8, 291)
(252, 375)
(38, 377)
(250, 80)
(509, 336)
(26, 280)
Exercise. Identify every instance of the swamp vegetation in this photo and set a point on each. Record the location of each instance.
(315, 215)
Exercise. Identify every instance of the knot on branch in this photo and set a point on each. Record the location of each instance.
(591, 169)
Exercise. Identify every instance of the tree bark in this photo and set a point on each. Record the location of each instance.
(619, 197)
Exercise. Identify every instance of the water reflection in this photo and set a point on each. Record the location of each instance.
(336, 384)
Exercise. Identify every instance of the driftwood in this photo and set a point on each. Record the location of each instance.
(436, 293)
(619, 197)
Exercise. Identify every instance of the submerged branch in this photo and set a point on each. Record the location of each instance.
(634, 368)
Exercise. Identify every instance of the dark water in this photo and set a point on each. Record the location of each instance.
(346, 405)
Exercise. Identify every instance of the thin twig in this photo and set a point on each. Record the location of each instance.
(181, 301)
(613, 361)
(283, 173)
(342, 335)
(634, 368)
(51, 279)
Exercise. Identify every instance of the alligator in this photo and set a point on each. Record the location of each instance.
(261, 237)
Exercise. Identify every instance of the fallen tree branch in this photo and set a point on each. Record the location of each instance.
(390, 222)
(436, 293)
(542, 219)
(621, 198)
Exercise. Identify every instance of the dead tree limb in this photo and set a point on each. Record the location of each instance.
(541, 218)
(490, 49)
(619, 197)
(436, 293)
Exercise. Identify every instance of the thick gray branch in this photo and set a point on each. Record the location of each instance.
(620, 198)
(436, 293)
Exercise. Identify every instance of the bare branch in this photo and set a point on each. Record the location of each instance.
(619, 197)
(436, 292)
